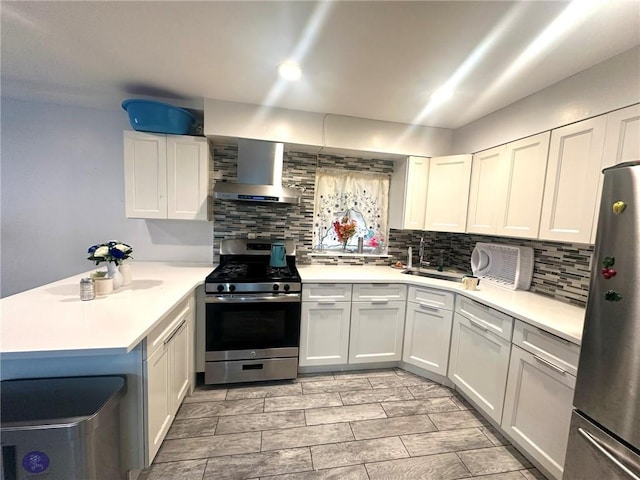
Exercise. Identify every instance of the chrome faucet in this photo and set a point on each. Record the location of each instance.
(421, 253)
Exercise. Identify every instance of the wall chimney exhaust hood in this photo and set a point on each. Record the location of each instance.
(259, 175)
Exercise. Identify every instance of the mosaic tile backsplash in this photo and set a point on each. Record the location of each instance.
(561, 270)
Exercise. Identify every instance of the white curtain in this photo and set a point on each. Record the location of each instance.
(362, 197)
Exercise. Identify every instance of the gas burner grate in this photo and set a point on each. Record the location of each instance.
(279, 272)
(233, 270)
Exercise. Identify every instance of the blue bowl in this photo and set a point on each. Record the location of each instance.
(157, 117)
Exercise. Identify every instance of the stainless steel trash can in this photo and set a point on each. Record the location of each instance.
(61, 428)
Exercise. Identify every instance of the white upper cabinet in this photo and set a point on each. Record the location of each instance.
(487, 178)
(448, 193)
(408, 192)
(571, 186)
(166, 176)
(518, 211)
(621, 144)
(507, 183)
(187, 177)
(145, 175)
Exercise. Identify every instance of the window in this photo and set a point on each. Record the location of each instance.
(354, 203)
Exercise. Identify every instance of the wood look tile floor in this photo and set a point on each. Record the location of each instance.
(367, 425)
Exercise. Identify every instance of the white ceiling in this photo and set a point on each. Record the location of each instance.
(370, 59)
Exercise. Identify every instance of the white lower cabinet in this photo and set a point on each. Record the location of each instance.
(168, 372)
(376, 331)
(539, 396)
(324, 333)
(427, 330)
(479, 359)
(377, 322)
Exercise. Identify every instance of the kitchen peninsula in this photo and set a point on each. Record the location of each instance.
(49, 331)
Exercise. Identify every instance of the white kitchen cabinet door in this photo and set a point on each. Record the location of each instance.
(166, 176)
(426, 338)
(537, 408)
(187, 177)
(478, 365)
(180, 365)
(158, 409)
(571, 185)
(621, 144)
(448, 193)
(485, 191)
(145, 175)
(376, 331)
(167, 372)
(324, 333)
(408, 192)
(519, 208)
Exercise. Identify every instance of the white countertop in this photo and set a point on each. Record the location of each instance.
(52, 320)
(556, 317)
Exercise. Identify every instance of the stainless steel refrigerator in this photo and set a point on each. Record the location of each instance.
(604, 438)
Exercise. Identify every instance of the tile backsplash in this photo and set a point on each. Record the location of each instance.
(561, 270)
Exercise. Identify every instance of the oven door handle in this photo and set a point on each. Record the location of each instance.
(284, 298)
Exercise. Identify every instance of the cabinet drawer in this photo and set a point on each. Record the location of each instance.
(371, 292)
(431, 297)
(494, 321)
(163, 332)
(336, 292)
(560, 352)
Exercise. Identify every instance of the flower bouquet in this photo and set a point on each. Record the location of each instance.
(110, 252)
(345, 229)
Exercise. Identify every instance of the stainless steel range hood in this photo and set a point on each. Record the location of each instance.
(259, 175)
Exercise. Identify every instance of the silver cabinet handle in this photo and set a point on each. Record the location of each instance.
(175, 332)
(326, 302)
(382, 301)
(598, 445)
(429, 307)
(478, 325)
(550, 365)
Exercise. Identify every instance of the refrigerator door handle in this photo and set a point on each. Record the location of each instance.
(597, 444)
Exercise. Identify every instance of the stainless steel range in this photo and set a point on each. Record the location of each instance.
(252, 313)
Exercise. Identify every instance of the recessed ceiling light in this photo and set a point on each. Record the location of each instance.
(290, 71)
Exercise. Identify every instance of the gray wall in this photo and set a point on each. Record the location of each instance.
(62, 190)
(608, 86)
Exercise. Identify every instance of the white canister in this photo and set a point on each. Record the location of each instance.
(127, 276)
(103, 286)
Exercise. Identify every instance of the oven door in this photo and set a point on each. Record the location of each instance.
(254, 326)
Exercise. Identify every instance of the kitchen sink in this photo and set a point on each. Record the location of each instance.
(433, 273)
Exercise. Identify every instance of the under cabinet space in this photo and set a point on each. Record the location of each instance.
(537, 409)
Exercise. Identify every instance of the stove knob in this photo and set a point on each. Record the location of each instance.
(220, 288)
(232, 288)
(276, 287)
(286, 287)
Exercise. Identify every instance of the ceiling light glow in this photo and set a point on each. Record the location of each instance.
(441, 95)
(290, 71)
